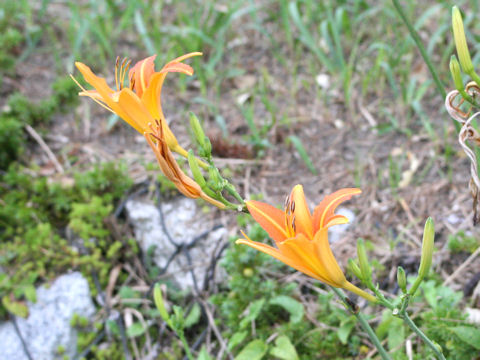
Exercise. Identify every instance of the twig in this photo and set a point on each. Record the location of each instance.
(123, 336)
(211, 321)
(45, 148)
(22, 340)
(462, 267)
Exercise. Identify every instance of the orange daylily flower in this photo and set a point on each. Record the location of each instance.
(138, 103)
(301, 238)
(170, 168)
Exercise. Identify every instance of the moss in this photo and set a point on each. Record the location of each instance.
(34, 220)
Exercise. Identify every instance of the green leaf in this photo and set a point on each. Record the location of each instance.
(253, 311)
(203, 355)
(255, 350)
(15, 307)
(193, 316)
(294, 307)
(284, 349)
(396, 333)
(30, 293)
(468, 334)
(346, 327)
(136, 329)
(236, 339)
(112, 327)
(126, 292)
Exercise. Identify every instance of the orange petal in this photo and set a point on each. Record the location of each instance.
(134, 108)
(186, 56)
(325, 255)
(306, 255)
(172, 171)
(151, 98)
(325, 210)
(94, 94)
(178, 67)
(336, 220)
(97, 82)
(303, 218)
(106, 94)
(271, 219)
(141, 73)
(269, 250)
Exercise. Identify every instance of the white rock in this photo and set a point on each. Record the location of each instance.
(453, 219)
(184, 222)
(323, 80)
(48, 324)
(335, 233)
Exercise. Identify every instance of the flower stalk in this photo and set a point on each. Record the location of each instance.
(353, 309)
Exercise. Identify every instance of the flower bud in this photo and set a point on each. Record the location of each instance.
(365, 268)
(402, 279)
(355, 269)
(461, 41)
(427, 248)
(158, 298)
(207, 147)
(196, 172)
(197, 129)
(456, 74)
(427, 254)
(216, 180)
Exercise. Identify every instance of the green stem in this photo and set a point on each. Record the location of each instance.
(231, 190)
(475, 77)
(363, 322)
(185, 345)
(436, 349)
(421, 48)
(423, 52)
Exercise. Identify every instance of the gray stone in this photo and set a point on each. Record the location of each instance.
(336, 232)
(183, 221)
(48, 324)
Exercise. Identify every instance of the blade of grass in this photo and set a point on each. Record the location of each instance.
(303, 153)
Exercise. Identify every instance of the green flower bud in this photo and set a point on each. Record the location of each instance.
(461, 41)
(427, 254)
(207, 147)
(196, 172)
(402, 279)
(456, 74)
(355, 269)
(365, 268)
(158, 298)
(197, 129)
(427, 248)
(216, 180)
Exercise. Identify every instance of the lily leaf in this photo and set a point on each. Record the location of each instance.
(255, 350)
(468, 334)
(284, 349)
(294, 307)
(193, 316)
(15, 307)
(253, 311)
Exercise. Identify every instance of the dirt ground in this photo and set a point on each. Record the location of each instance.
(341, 139)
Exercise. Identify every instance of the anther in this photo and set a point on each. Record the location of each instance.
(292, 206)
(287, 201)
(294, 227)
